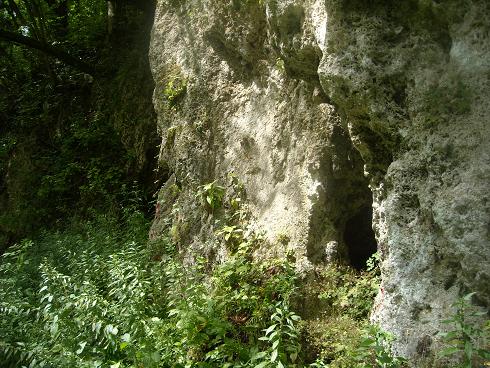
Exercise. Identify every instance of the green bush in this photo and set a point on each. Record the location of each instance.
(96, 296)
(218, 320)
(79, 298)
(211, 195)
(346, 297)
(375, 350)
(347, 291)
(467, 340)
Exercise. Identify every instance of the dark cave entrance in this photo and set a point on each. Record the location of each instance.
(359, 237)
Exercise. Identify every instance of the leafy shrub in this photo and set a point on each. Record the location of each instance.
(346, 297)
(375, 350)
(219, 322)
(467, 340)
(83, 298)
(96, 296)
(333, 339)
(347, 291)
(283, 337)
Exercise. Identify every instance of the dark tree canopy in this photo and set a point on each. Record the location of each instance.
(65, 143)
(69, 31)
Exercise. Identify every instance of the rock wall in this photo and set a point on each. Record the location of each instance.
(227, 102)
(329, 111)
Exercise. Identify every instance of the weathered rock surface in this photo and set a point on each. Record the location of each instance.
(323, 109)
(240, 111)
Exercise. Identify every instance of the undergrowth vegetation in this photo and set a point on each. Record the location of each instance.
(99, 294)
(78, 298)
(96, 296)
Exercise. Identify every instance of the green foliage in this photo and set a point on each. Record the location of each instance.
(70, 143)
(283, 337)
(174, 90)
(96, 296)
(212, 195)
(91, 296)
(375, 350)
(349, 292)
(467, 340)
(346, 297)
(81, 298)
(333, 339)
(87, 22)
(350, 344)
(219, 322)
(232, 235)
(280, 66)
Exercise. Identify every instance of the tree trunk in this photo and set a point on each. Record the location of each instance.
(111, 14)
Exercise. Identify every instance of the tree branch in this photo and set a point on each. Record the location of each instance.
(47, 49)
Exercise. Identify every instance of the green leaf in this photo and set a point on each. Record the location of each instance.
(368, 342)
(270, 329)
(82, 346)
(123, 345)
(276, 344)
(274, 355)
(173, 312)
(449, 351)
(259, 355)
(385, 359)
(53, 329)
(155, 356)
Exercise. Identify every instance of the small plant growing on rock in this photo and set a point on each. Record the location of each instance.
(212, 194)
(232, 236)
(174, 90)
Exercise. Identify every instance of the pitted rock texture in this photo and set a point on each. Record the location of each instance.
(242, 111)
(410, 79)
(324, 108)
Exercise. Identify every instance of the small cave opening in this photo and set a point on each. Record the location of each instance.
(359, 237)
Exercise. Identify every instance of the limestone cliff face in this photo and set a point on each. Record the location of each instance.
(332, 112)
